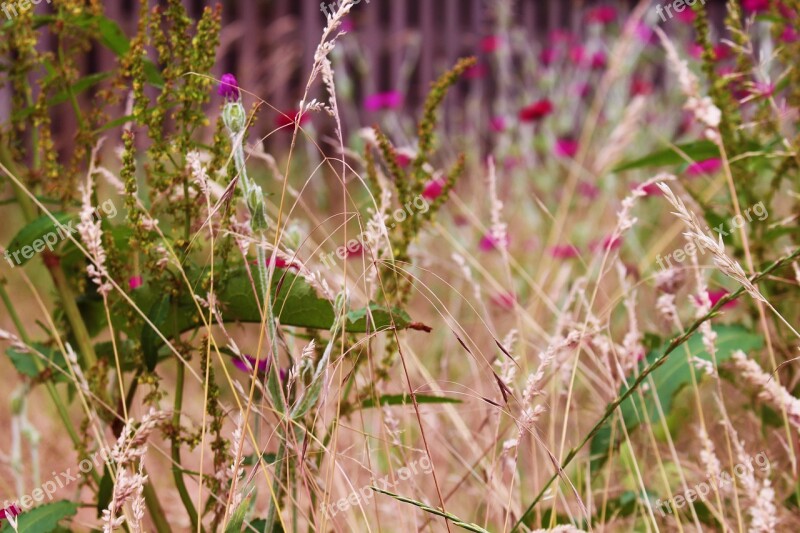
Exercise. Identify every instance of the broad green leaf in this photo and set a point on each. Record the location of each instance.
(35, 232)
(403, 399)
(25, 363)
(668, 379)
(43, 519)
(696, 151)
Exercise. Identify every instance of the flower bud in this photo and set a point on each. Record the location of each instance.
(258, 211)
(234, 118)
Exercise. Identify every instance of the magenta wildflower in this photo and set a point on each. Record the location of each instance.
(577, 54)
(489, 243)
(687, 16)
(715, 296)
(707, 166)
(498, 124)
(385, 100)
(491, 43)
(650, 189)
(548, 56)
(228, 87)
(433, 189)
(790, 35)
(287, 118)
(563, 251)
(246, 363)
(640, 86)
(599, 60)
(588, 190)
(566, 147)
(607, 244)
(755, 6)
(536, 111)
(135, 282)
(602, 15)
(504, 300)
(402, 159)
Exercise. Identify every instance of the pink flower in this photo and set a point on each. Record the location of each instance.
(498, 124)
(491, 43)
(602, 15)
(566, 147)
(687, 15)
(135, 282)
(504, 300)
(246, 363)
(547, 56)
(648, 190)
(433, 189)
(402, 159)
(582, 89)
(560, 36)
(755, 6)
(790, 35)
(707, 166)
(645, 33)
(536, 111)
(695, 50)
(490, 243)
(563, 251)
(228, 87)
(763, 89)
(715, 296)
(588, 190)
(476, 72)
(599, 60)
(287, 118)
(380, 101)
(607, 244)
(280, 262)
(577, 54)
(347, 25)
(640, 86)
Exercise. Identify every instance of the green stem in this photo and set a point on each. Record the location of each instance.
(177, 472)
(276, 487)
(82, 337)
(673, 345)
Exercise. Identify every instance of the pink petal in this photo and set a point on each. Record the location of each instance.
(564, 251)
(705, 167)
(135, 282)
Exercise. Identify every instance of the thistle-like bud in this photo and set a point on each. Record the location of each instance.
(258, 211)
(229, 88)
(234, 117)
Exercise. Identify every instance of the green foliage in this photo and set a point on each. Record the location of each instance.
(44, 518)
(667, 381)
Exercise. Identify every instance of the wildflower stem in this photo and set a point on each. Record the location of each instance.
(673, 345)
(177, 471)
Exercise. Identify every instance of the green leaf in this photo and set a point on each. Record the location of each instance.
(697, 151)
(438, 512)
(36, 231)
(159, 314)
(104, 492)
(403, 399)
(78, 87)
(43, 519)
(668, 379)
(237, 518)
(25, 363)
